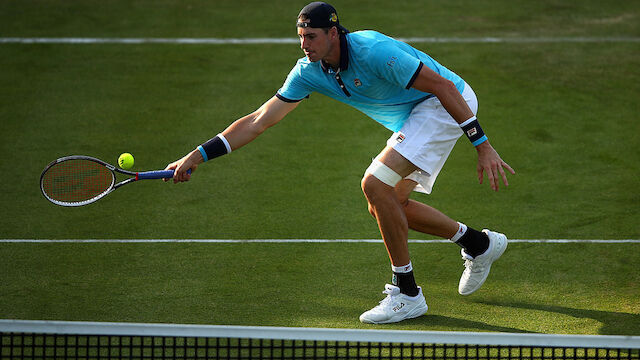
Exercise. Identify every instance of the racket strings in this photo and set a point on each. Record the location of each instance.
(76, 180)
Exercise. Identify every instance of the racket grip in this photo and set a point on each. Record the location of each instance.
(158, 174)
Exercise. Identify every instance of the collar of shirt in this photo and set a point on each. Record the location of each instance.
(344, 56)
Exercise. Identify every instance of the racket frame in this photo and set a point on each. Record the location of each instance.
(134, 176)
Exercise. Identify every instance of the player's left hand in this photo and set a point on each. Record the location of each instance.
(490, 162)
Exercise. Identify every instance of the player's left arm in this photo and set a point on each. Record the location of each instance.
(489, 160)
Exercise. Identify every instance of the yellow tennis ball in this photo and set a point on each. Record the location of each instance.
(125, 161)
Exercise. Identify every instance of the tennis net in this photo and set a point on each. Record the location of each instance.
(22, 339)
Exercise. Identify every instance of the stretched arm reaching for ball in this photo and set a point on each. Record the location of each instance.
(238, 134)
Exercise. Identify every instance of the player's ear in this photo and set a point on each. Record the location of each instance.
(333, 32)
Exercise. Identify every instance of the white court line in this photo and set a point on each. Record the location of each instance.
(244, 41)
(276, 241)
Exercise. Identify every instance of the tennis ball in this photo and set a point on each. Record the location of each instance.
(125, 161)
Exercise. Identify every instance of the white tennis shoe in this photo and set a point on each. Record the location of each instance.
(395, 307)
(477, 269)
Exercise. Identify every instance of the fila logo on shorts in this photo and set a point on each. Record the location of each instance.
(400, 138)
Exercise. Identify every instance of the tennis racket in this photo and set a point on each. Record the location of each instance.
(80, 180)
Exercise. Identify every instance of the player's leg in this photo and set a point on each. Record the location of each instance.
(422, 217)
(428, 220)
(479, 248)
(404, 298)
(426, 140)
(378, 186)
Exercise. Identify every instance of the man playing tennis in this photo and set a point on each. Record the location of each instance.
(427, 106)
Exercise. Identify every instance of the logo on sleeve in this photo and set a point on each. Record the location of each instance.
(357, 82)
(392, 61)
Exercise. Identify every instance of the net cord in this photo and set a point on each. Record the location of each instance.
(319, 334)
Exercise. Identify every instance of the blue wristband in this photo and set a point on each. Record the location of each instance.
(474, 132)
(216, 146)
(480, 141)
(203, 153)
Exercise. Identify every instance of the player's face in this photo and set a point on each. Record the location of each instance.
(315, 43)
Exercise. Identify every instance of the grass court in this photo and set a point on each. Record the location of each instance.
(563, 113)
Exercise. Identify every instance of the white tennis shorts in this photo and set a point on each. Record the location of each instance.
(427, 138)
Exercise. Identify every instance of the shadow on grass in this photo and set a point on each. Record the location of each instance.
(448, 322)
(613, 323)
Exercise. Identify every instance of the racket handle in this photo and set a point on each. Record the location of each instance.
(158, 174)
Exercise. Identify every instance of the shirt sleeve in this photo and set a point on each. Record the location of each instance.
(294, 88)
(395, 65)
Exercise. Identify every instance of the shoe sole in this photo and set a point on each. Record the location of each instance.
(503, 244)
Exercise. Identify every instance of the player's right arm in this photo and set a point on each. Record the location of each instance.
(238, 134)
(246, 129)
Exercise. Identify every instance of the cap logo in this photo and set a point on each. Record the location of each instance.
(333, 17)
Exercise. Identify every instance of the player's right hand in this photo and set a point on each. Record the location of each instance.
(181, 167)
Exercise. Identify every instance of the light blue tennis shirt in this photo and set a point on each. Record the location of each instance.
(375, 76)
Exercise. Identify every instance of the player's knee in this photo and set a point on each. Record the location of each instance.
(374, 189)
(379, 178)
(366, 185)
(371, 189)
(376, 192)
(371, 186)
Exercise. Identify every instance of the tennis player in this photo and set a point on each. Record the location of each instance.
(425, 105)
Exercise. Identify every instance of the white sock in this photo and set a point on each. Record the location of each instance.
(402, 269)
(462, 228)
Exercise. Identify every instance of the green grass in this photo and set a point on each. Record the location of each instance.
(562, 114)
(571, 143)
(534, 288)
(254, 18)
